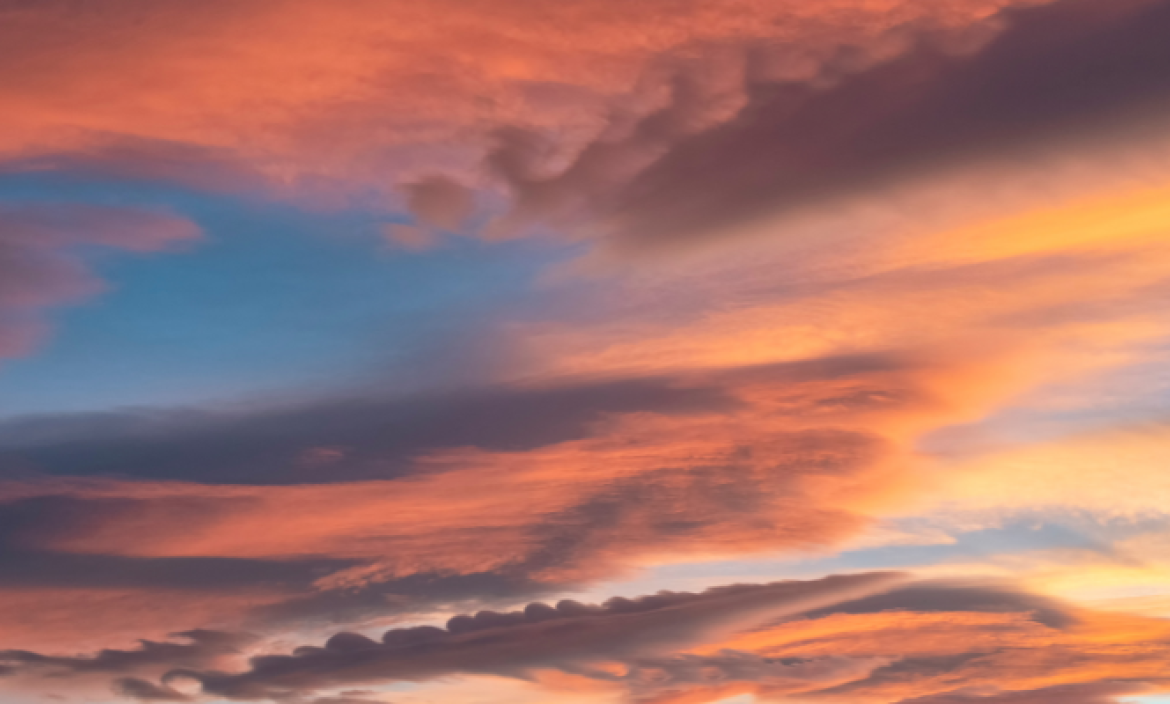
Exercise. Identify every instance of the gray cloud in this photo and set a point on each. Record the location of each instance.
(202, 648)
(647, 634)
(329, 441)
(146, 691)
(940, 596)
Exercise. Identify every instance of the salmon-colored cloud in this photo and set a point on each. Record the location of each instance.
(377, 90)
(595, 113)
(40, 262)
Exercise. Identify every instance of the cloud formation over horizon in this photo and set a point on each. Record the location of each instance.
(870, 637)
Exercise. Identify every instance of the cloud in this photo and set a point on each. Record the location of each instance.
(1087, 471)
(439, 202)
(696, 678)
(808, 638)
(203, 649)
(1059, 82)
(197, 648)
(568, 636)
(942, 596)
(333, 440)
(1095, 693)
(971, 652)
(53, 569)
(377, 94)
(145, 691)
(41, 261)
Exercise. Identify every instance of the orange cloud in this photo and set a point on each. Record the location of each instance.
(377, 89)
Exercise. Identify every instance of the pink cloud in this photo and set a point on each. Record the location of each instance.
(42, 263)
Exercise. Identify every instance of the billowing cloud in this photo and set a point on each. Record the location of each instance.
(1095, 693)
(389, 93)
(202, 649)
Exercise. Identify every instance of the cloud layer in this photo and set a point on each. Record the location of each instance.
(868, 637)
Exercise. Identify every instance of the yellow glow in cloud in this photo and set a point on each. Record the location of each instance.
(1115, 473)
(1096, 225)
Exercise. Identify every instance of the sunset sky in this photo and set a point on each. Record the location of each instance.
(585, 351)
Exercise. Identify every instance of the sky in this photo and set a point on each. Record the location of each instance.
(585, 351)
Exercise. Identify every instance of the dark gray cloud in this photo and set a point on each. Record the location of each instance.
(567, 636)
(329, 441)
(940, 596)
(43, 568)
(676, 505)
(200, 649)
(411, 594)
(352, 439)
(1057, 74)
(146, 691)
(28, 523)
